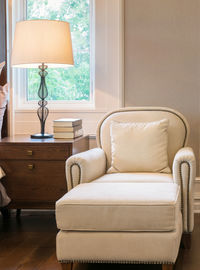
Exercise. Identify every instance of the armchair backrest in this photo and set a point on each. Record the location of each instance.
(178, 129)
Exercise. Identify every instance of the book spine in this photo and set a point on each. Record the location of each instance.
(66, 129)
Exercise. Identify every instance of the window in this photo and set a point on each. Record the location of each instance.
(70, 83)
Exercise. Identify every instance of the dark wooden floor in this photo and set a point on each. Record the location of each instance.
(28, 243)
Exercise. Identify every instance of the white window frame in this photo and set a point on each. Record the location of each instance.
(108, 71)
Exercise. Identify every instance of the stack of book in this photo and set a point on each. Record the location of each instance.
(67, 128)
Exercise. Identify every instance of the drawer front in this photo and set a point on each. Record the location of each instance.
(35, 151)
(34, 181)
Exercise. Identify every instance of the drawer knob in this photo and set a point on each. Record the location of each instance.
(29, 152)
(30, 166)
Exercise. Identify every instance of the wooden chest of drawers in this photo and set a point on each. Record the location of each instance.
(35, 169)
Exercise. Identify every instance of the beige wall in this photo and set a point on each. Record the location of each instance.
(162, 59)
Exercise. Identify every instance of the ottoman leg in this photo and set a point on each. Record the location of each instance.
(67, 266)
(167, 266)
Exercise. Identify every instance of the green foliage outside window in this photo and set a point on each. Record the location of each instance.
(72, 83)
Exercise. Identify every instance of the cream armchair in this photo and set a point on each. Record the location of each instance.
(136, 236)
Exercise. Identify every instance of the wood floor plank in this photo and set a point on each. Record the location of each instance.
(51, 263)
(16, 258)
(36, 258)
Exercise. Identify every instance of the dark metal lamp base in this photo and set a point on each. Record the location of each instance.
(41, 136)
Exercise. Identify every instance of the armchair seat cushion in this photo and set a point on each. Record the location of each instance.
(119, 207)
(135, 178)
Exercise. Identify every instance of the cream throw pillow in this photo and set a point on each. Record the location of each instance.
(139, 147)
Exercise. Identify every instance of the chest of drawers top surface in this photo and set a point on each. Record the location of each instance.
(23, 147)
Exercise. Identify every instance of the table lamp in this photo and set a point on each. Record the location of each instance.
(42, 44)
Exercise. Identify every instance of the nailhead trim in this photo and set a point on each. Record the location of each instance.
(182, 206)
(114, 261)
(137, 109)
(72, 182)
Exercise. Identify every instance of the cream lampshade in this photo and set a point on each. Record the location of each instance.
(42, 43)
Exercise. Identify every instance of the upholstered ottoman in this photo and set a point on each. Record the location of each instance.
(119, 222)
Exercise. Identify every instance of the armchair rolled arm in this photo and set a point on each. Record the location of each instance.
(184, 173)
(85, 167)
